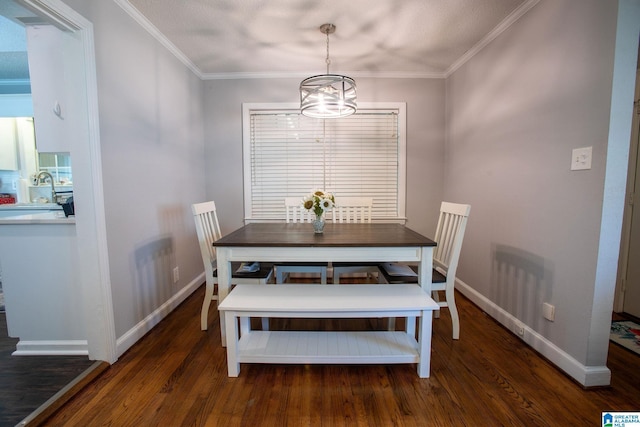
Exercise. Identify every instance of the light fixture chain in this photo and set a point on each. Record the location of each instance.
(328, 61)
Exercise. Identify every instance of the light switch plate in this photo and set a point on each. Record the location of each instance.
(549, 311)
(581, 158)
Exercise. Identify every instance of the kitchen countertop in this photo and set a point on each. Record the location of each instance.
(38, 218)
(31, 206)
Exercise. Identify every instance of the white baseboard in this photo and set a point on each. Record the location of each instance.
(138, 331)
(588, 376)
(52, 348)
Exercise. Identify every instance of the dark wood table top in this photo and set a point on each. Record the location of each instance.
(335, 235)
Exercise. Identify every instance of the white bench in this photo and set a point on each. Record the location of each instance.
(333, 347)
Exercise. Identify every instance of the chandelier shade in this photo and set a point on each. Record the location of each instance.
(328, 96)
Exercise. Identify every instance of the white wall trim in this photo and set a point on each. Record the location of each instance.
(588, 376)
(615, 179)
(305, 74)
(104, 327)
(493, 34)
(93, 268)
(156, 34)
(52, 348)
(55, 13)
(145, 325)
(623, 264)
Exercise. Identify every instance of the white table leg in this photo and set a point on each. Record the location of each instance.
(245, 325)
(425, 268)
(425, 271)
(424, 343)
(410, 326)
(233, 366)
(224, 284)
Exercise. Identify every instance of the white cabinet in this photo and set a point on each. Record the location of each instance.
(52, 78)
(8, 145)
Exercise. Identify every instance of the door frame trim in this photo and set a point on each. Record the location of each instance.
(93, 260)
(633, 170)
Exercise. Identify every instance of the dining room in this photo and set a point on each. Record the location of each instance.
(495, 128)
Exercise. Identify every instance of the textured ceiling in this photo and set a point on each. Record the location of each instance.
(279, 38)
(408, 37)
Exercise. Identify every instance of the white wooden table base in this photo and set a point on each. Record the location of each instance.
(281, 242)
(330, 347)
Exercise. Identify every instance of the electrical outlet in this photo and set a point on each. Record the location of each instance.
(176, 274)
(549, 311)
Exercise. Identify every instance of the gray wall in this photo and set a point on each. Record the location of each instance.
(425, 139)
(151, 132)
(497, 134)
(514, 114)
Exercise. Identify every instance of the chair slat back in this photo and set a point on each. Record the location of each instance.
(208, 231)
(352, 210)
(449, 234)
(295, 212)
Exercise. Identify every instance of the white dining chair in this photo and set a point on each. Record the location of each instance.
(353, 210)
(208, 231)
(295, 212)
(449, 235)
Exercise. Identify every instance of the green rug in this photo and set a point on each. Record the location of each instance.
(626, 334)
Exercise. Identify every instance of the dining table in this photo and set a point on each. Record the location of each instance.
(297, 242)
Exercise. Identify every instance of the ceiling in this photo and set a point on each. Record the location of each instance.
(281, 38)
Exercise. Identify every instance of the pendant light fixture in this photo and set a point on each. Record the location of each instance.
(328, 96)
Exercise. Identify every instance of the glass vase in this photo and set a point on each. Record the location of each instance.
(318, 224)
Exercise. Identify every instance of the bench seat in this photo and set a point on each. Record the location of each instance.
(322, 301)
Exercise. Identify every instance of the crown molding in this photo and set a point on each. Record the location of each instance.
(153, 30)
(303, 75)
(155, 33)
(493, 34)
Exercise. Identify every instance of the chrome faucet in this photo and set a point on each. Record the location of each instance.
(53, 188)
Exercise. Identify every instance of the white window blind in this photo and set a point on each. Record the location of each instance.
(287, 154)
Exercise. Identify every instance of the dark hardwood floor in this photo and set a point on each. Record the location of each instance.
(26, 382)
(177, 376)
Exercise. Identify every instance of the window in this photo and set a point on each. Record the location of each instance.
(58, 165)
(287, 154)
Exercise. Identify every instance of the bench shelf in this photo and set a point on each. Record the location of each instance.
(360, 347)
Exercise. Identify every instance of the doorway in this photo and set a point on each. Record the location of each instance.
(628, 286)
(92, 268)
(92, 265)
